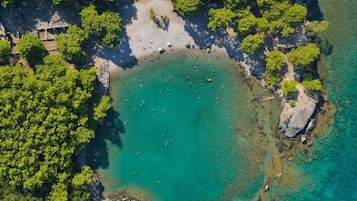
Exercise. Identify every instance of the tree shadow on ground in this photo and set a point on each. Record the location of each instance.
(31, 15)
(121, 55)
(110, 131)
(196, 27)
(314, 11)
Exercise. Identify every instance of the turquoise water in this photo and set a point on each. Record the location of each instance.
(177, 143)
(333, 175)
(184, 138)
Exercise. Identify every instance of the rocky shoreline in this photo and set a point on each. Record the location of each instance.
(295, 120)
(135, 47)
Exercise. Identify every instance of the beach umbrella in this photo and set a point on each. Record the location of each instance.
(160, 49)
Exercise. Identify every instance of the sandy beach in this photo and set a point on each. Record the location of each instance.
(143, 37)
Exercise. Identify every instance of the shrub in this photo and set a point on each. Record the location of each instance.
(152, 13)
(274, 60)
(71, 49)
(100, 112)
(292, 102)
(272, 79)
(315, 27)
(221, 18)
(105, 26)
(187, 7)
(304, 55)
(252, 43)
(31, 49)
(5, 49)
(247, 24)
(313, 85)
(289, 86)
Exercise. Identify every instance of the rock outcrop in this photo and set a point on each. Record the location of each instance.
(102, 70)
(294, 119)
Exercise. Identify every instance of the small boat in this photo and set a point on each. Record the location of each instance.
(266, 187)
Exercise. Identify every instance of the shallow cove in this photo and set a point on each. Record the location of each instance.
(183, 137)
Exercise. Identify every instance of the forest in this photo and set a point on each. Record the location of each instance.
(49, 112)
(47, 115)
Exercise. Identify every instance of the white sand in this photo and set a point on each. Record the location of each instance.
(143, 29)
(145, 37)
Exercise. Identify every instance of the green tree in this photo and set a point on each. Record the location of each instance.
(77, 34)
(71, 50)
(233, 4)
(100, 112)
(187, 7)
(71, 44)
(221, 18)
(31, 48)
(110, 28)
(248, 24)
(289, 86)
(295, 14)
(283, 17)
(252, 43)
(274, 63)
(105, 26)
(81, 184)
(5, 49)
(313, 85)
(264, 4)
(263, 24)
(315, 27)
(304, 55)
(275, 60)
(90, 20)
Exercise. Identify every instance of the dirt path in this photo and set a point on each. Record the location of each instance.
(290, 74)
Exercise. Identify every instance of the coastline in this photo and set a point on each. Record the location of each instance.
(144, 38)
(246, 134)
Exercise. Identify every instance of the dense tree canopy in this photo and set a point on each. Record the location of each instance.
(5, 49)
(31, 48)
(252, 43)
(105, 26)
(43, 125)
(71, 44)
(304, 55)
(247, 24)
(274, 60)
(100, 111)
(187, 7)
(221, 18)
(274, 63)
